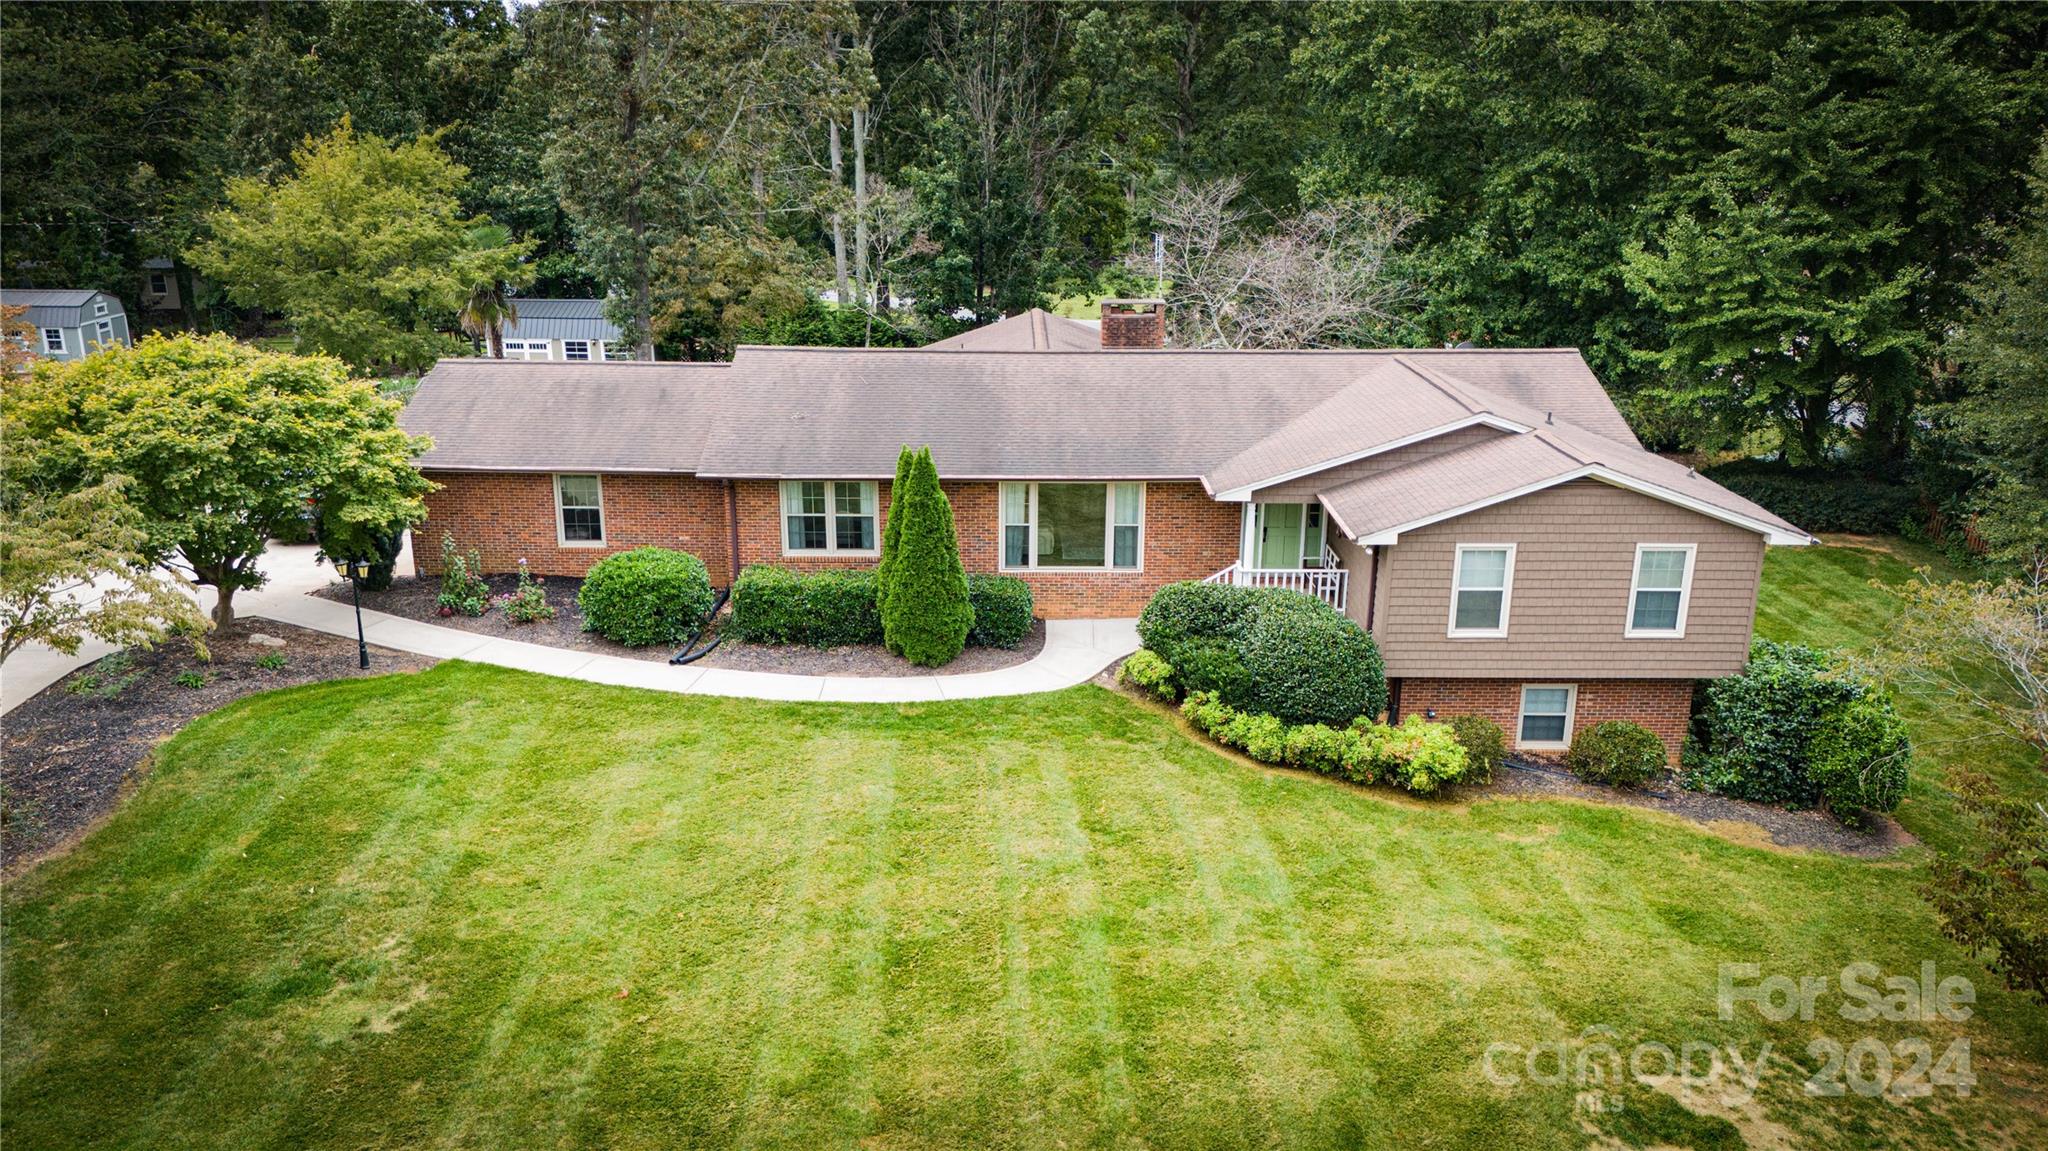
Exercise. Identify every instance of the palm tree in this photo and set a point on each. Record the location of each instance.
(495, 270)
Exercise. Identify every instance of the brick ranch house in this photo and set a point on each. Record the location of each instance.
(1486, 514)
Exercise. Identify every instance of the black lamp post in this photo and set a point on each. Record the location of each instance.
(355, 572)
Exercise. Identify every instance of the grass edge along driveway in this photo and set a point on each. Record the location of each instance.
(476, 907)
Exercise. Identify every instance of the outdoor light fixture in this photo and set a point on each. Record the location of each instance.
(355, 572)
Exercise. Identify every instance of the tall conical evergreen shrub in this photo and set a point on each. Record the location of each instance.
(928, 613)
(892, 527)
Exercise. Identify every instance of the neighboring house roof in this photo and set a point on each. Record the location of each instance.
(508, 415)
(58, 307)
(1034, 331)
(560, 320)
(1236, 421)
(158, 264)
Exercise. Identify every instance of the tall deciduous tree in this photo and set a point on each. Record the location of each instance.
(225, 447)
(361, 248)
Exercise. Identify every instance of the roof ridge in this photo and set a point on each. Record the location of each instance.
(1430, 377)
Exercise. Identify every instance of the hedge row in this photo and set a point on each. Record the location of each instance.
(1266, 650)
(773, 604)
(1418, 756)
(1821, 500)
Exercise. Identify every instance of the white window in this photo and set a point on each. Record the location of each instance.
(1661, 591)
(159, 284)
(53, 341)
(579, 511)
(526, 349)
(828, 516)
(575, 349)
(1099, 526)
(1545, 723)
(105, 332)
(99, 307)
(1482, 578)
(619, 351)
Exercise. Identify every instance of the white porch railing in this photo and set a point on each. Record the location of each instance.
(1331, 585)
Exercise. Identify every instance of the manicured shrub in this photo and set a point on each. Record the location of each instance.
(1858, 758)
(1319, 748)
(645, 596)
(1617, 753)
(925, 613)
(1485, 744)
(821, 609)
(1181, 612)
(1310, 664)
(1418, 756)
(1209, 665)
(1301, 659)
(1205, 712)
(1820, 499)
(1002, 611)
(892, 526)
(1758, 735)
(1148, 673)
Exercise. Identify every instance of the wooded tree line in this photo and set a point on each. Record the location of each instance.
(1761, 222)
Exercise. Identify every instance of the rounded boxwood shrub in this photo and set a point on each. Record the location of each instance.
(1485, 744)
(1307, 663)
(1858, 758)
(1617, 753)
(1191, 610)
(1002, 611)
(645, 596)
(822, 609)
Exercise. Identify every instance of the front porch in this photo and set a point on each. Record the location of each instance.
(1283, 545)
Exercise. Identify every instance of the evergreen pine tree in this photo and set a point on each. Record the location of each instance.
(892, 528)
(928, 613)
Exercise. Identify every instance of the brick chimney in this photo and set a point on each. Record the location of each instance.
(1133, 324)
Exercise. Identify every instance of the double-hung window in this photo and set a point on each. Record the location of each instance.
(53, 341)
(828, 516)
(1545, 723)
(1482, 578)
(1099, 526)
(159, 284)
(1658, 596)
(575, 349)
(579, 510)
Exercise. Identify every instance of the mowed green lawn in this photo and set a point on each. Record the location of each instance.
(478, 908)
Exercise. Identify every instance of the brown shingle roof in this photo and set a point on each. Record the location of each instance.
(508, 415)
(1034, 331)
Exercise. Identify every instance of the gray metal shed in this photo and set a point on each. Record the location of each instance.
(563, 330)
(70, 323)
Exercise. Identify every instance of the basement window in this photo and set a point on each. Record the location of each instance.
(1545, 723)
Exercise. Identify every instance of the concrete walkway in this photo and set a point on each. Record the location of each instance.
(1075, 651)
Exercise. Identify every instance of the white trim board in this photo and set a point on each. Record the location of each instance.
(1244, 492)
(1772, 535)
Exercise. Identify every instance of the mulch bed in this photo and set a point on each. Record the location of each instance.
(68, 754)
(1734, 819)
(413, 598)
(1806, 829)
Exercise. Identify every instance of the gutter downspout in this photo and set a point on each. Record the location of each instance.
(732, 524)
(1372, 585)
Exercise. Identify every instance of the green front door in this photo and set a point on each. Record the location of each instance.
(1280, 535)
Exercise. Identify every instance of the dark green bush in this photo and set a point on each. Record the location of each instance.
(1617, 753)
(1759, 735)
(1310, 664)
(1485, 744)
(1148, 673)
(821, 609)
(925, 613)
(1300, 659)
(645, 596)
(1822, 500)
(1002, 611)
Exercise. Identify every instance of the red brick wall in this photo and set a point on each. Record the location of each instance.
(1662, 705)
(1187, 536)
(510, 516)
